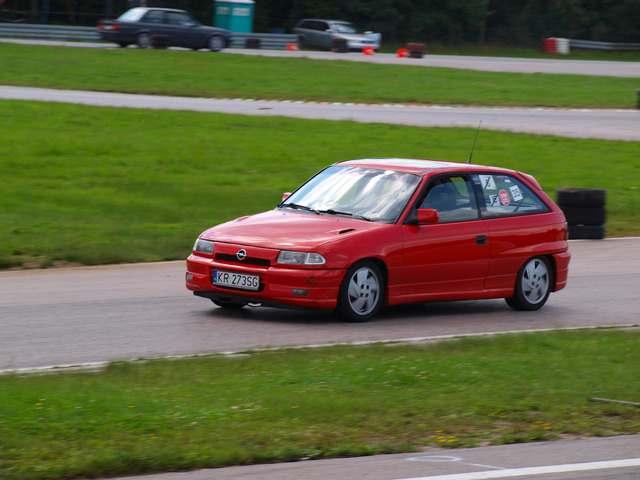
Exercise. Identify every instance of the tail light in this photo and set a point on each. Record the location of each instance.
(102, 26)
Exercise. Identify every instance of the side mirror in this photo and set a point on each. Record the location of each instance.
(285, 195)
(427, 215)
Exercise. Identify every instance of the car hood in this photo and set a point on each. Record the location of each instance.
(285, 229)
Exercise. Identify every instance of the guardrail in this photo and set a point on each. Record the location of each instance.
(587, 44)
(90, 34)
(49, 32)
(272, 41)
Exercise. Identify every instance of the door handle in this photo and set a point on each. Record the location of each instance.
(481, 240)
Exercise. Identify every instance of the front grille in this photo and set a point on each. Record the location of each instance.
(224, 257)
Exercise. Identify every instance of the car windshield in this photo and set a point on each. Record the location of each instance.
(345, 28)
(365, 193)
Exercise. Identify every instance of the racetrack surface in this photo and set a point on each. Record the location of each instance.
(96, 314)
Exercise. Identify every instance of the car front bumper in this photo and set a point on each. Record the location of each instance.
(312, 288)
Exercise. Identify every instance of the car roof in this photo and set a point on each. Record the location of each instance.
(146, 9)
(419, 166)
(324, 20)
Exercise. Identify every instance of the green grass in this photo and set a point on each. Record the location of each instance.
(317, 403)
(202, 74)
(97, 185)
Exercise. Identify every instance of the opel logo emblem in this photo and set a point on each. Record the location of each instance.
(242, 254)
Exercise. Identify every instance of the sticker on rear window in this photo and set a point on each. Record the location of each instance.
(488, 183)
(504, 197)
(515, 193)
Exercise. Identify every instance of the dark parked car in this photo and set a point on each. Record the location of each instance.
(166, 27)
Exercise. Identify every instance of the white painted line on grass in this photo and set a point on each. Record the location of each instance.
(547, 469)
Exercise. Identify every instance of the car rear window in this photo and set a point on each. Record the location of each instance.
(505, 195)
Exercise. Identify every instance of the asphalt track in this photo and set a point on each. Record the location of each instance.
(89, 315)
(590, 459)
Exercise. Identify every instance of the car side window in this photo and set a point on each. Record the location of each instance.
(453, 197)
(174, 18)
(154, 16)
(505, 195)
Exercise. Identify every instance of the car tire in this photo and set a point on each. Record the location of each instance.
(584, 215)
(586, 232)
(123, 44)
(361, 292)
(228, 305)
(144, 40)
(533, 285)
(216, 43)
(581, 197)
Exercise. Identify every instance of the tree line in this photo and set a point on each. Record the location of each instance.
(521, 23)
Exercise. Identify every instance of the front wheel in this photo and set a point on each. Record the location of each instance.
(361, 292)
(533, 285)
(216, 43)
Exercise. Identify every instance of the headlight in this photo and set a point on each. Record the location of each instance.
(203, 246)
(289, 257)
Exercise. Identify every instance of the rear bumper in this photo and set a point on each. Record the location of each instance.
(310, 288)
(562, 269)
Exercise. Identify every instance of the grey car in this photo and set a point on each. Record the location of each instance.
(321, 33)
(167, 27)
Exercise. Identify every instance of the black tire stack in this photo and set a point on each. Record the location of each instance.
(584, 211)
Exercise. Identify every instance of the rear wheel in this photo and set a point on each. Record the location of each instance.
(216, 43)
(143, 40)
(533, 285)
(361, 292)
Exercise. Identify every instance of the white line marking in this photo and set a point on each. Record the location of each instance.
(448, 458)
(433, 338)
(519, 472)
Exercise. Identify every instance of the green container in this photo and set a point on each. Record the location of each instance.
(234, 15)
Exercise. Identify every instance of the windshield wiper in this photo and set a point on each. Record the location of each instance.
(331, 211)
(296, 206)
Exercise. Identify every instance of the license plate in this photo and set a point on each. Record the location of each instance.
(236, 280)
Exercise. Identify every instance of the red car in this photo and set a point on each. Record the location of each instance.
(361, 234)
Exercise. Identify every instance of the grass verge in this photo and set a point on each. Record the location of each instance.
(202, 74)
(96, 185)
(292, 405)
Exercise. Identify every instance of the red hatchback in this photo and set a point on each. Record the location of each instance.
(365, 233)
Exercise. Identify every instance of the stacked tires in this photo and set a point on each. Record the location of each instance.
(584, 211)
